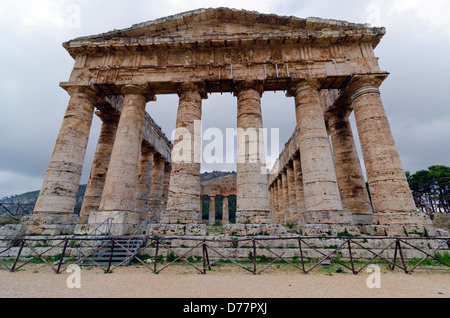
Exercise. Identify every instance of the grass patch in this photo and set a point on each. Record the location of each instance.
(5, 220)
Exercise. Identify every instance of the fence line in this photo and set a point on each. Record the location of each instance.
(15, 209)
(200, 249)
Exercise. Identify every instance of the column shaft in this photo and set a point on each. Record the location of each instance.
(119, 193)
(212, 210)
(389, 188)
(285, 194)
(167, 172)
(144, 182)
(292, 196)
(275, 199)
(299, 188)
(99, 168)
(156, 189)
(225, 211)
(184, 187)
(252, 188)
(349, 173)
(62, 179)
(281, 202)
(321, 190)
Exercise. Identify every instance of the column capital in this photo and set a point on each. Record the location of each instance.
(143, 90)
(193, 86)
(247, 85)
(87, 91)
(108, 115)
(337, 113)
(301, 84)
(158, 159)
(364, 84)
(147, 148)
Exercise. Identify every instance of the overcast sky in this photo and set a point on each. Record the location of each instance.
(33, 62)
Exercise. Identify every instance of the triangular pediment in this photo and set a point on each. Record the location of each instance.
(218, 25)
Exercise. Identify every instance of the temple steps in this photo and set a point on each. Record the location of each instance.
(122, 250)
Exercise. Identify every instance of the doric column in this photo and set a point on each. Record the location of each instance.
(252, 188)
(212, 209)
(62, 179)
(299, 187)
(200, 217)
(349, 173)
(269, 192)
(184, 187)
(281, 202)
(285, 196)
(321, 192)
(275, 200)
(156, 189)
(388, 186)
(225, 210)
(144, 181)
(292, 198)
(99, 168)
(166, 181)
(119, 194)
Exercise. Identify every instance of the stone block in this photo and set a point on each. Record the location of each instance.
(122, 223)
(50, 224)
(328, 217)
(160, 230)
(254, 229)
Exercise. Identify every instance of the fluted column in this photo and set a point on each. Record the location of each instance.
(156, 189)
(62, 179)
(99, 168)
(166, 181)
(184, 187)
(275, 200)
(281, 202)
(299, 188)
(225, 210)
(144, 181)
(212, 210)
(321, 192)
(285, 196)
(119, 194)
(292, 198)
(349, 173)
(389, 188)
(252, 187)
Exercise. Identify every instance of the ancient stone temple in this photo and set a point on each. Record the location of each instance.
(224, 187)
(327, 67)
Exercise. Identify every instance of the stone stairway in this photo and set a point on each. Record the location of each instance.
(123, 248)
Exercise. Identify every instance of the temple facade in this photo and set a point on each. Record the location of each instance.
(327, 68)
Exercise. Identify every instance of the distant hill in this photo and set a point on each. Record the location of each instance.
(213, 175)
(31, 197)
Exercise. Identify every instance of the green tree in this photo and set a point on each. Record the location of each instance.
(431, 188)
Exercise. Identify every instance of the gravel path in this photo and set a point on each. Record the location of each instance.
(182, 282)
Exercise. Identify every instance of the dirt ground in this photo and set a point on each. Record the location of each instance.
(221, 282)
